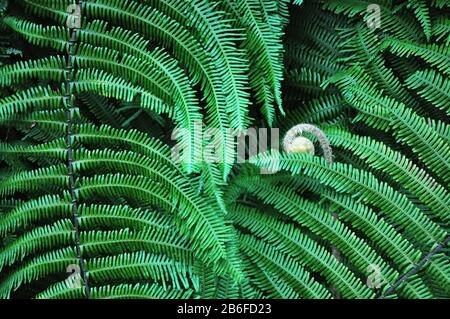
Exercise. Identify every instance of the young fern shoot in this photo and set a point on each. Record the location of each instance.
(295, 143)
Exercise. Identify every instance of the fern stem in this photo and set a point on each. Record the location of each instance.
(416, 268)
(70, 106)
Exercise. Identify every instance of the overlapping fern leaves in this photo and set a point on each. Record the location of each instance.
(88, 182)
(392, 136)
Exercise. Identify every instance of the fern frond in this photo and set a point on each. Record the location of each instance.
(264, 50)
(39, 239)
(44, 36)
(267, 257)
(323, 224)
(53, 9)
(55, 149)
(139, 291)
(381, 157)
(318, 110)
(108, 216)
(433, 87)
(39, 267)
(290, 240)
(141, 266)
(35, 98)
(31, 212)
(380, 232)
(434, 54)
(362, 185)
(114, 242)
(110, 86)
(64, 290)
(52, 68)
(388, 114)
(438, 270)
(34, 180)
(194, 218)
(185, 47)
(270, 283)
(120, 136)
(422, 12)
(103, 109)
(41, 125)
(214, 31)
(441, 29)
(401, 26)
(307, 81)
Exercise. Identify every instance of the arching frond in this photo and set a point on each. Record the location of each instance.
(125, 167)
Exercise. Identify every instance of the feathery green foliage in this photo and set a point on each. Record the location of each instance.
(93, 204)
